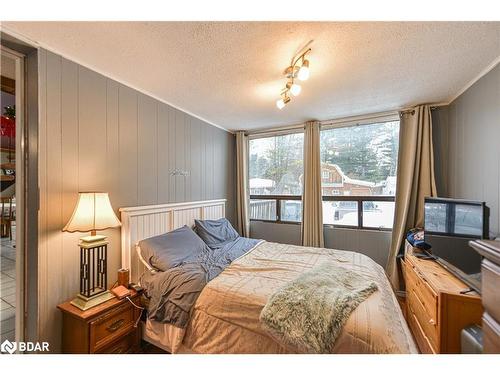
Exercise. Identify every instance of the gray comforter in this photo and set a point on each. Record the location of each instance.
(173, 292)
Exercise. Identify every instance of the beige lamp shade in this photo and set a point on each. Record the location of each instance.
(92, 212)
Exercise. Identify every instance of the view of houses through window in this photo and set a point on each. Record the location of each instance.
(361, 162)
(358, 175)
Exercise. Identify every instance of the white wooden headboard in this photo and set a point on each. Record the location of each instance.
(143, 222)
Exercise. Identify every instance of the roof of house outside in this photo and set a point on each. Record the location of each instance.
(346, 178)
(256, 183)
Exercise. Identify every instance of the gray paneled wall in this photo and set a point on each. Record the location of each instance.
(474, 145)
(97, 134)
(440, 139)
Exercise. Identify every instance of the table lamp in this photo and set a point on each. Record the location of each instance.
(93, 212)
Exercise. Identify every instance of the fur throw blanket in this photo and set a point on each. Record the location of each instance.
(310, 311)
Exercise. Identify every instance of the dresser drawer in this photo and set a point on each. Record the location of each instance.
(124, 345)
(423, 343)
(490, 274)
(426, 322)
(423, 290)
(437, 309)
(110, 326)
(491, 332)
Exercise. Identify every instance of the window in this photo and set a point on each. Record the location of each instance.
(358, 176)
(363, 160)
(275, 177)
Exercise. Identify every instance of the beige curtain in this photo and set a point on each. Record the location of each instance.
(242, 197)
(312, 206)
(415, 180)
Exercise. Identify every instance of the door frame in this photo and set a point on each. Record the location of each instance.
(31, 329)
(20, 188)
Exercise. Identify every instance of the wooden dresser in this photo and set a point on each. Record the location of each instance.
(106, 328)
(490, 284)
(436, 310)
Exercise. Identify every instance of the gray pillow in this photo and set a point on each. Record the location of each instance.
(172, 249)
(215, 232)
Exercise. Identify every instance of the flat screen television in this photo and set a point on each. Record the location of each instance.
(449, 225)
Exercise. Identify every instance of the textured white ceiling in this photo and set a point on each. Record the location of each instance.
(230, 73)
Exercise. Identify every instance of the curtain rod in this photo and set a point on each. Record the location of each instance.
(343, 120)
(275, 129)
(432, 108)
(352, 120)
(280, 129)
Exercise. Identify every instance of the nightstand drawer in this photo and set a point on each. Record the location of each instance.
(110, 326)
(100, 328)
(124, 345)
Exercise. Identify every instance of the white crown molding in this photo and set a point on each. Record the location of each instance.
(39, 45)
(485, 71)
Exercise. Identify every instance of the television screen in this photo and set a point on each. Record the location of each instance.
(449, 225)
(454, 218)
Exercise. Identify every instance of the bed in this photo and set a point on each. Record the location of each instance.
(225, 316)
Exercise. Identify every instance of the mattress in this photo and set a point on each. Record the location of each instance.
(225, 318)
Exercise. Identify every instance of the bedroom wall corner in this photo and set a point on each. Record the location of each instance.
(440, 135)
(98, 134)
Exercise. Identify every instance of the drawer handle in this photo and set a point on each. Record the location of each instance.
(118, 350)
(116, 325)
(421, 276)
(431, 321)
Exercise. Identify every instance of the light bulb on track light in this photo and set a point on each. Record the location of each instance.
(280, 103)
(303, 73)
(295, 89)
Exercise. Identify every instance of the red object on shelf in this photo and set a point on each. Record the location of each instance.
(8, 127)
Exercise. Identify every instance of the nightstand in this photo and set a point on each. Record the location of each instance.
(107, 328)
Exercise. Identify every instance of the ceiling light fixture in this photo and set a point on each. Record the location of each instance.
(298, 69)
(280, 103)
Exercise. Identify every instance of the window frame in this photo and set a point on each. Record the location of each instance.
(360, 199)
(277, 199)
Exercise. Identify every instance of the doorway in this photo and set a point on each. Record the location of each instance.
(11, 195)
